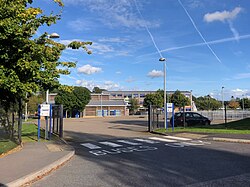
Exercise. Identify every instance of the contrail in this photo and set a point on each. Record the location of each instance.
(199, 31)
(146, 27)
(223, 40)
(209, 42)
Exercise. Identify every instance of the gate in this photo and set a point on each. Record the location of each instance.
(57, 118)
(155, 118)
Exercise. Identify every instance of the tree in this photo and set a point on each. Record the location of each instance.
(179, 99)
(233, 104)
(34, 101)
(98, 90)
(156, 99)
(246, 102)
(82, 98)
(27, 63)
(73, 101)
(134, 105)
(207, 103)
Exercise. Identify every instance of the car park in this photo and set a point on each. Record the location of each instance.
(191, 119)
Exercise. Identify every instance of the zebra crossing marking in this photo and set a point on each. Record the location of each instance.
(111, 144)
(90, 146)
(177, 138)
(161, 139)
(128, 142)
(138, 145)
(146, 141)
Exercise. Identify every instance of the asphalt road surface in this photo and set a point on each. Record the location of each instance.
(119, 152)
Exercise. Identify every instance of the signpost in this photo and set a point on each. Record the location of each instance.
(170, 108)
(43, 110)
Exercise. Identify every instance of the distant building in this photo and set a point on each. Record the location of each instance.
(102, 105)
(140, 95)
(114, 103)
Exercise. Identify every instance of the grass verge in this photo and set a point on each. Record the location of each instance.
(235, 127)
(29, 134)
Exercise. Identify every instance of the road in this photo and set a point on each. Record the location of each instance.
(119, 152)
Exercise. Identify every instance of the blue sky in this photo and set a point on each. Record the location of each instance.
(206, 44)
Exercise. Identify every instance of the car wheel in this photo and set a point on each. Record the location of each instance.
(207, 123)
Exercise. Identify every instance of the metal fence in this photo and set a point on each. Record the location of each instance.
(156, 117)
(230, 114)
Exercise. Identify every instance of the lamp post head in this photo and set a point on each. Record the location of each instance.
(54, 35)
(162, 59)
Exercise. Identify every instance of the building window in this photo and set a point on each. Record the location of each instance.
(142, 95)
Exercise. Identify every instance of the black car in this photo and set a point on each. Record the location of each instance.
(191, 118)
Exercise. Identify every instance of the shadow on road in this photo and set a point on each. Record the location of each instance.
(166, 166)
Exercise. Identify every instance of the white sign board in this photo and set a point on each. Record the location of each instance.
(45, 110)
(169, 107)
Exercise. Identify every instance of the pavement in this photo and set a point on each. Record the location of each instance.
(35, 160)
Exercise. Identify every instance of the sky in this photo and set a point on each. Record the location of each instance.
(206, 44)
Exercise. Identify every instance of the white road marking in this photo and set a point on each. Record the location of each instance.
(175, 145)
(128, 142)
(146, 141)
(90, 146)
(161, 139)
(111, 144)
(177, 138)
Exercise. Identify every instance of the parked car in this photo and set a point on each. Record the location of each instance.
(191, 118)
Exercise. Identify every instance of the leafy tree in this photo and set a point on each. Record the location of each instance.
(233, 104)
(73, 101)
(246, 102)
(156, 99)
(34, 101)
(98, 90)
(207, 103)
(29, 64)
(179, 99)
(134, 105)
(82, 98)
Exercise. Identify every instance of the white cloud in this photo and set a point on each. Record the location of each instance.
(118, 72)
(107, 85)
(130, 79)
(88, 69)
(223, 15)
(113, 40)
(242, 76)
(155, 73)
(114, 13)
(100, 48)
(80, 24)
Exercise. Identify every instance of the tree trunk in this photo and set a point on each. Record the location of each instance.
(20, 111)
(12, 125)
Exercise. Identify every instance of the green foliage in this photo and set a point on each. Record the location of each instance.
(29, 64)
(75, 100)
(246, 103)
(179, 99)
(98, 90)
(207, 103)
(233, 104)
(34, 101)
(156, 99)
(134, 105)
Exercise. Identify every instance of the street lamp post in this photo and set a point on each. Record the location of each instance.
(243, 108)
(101, 106)
(52, 36)
(222, 95)
(165, 96)
(191, 100)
